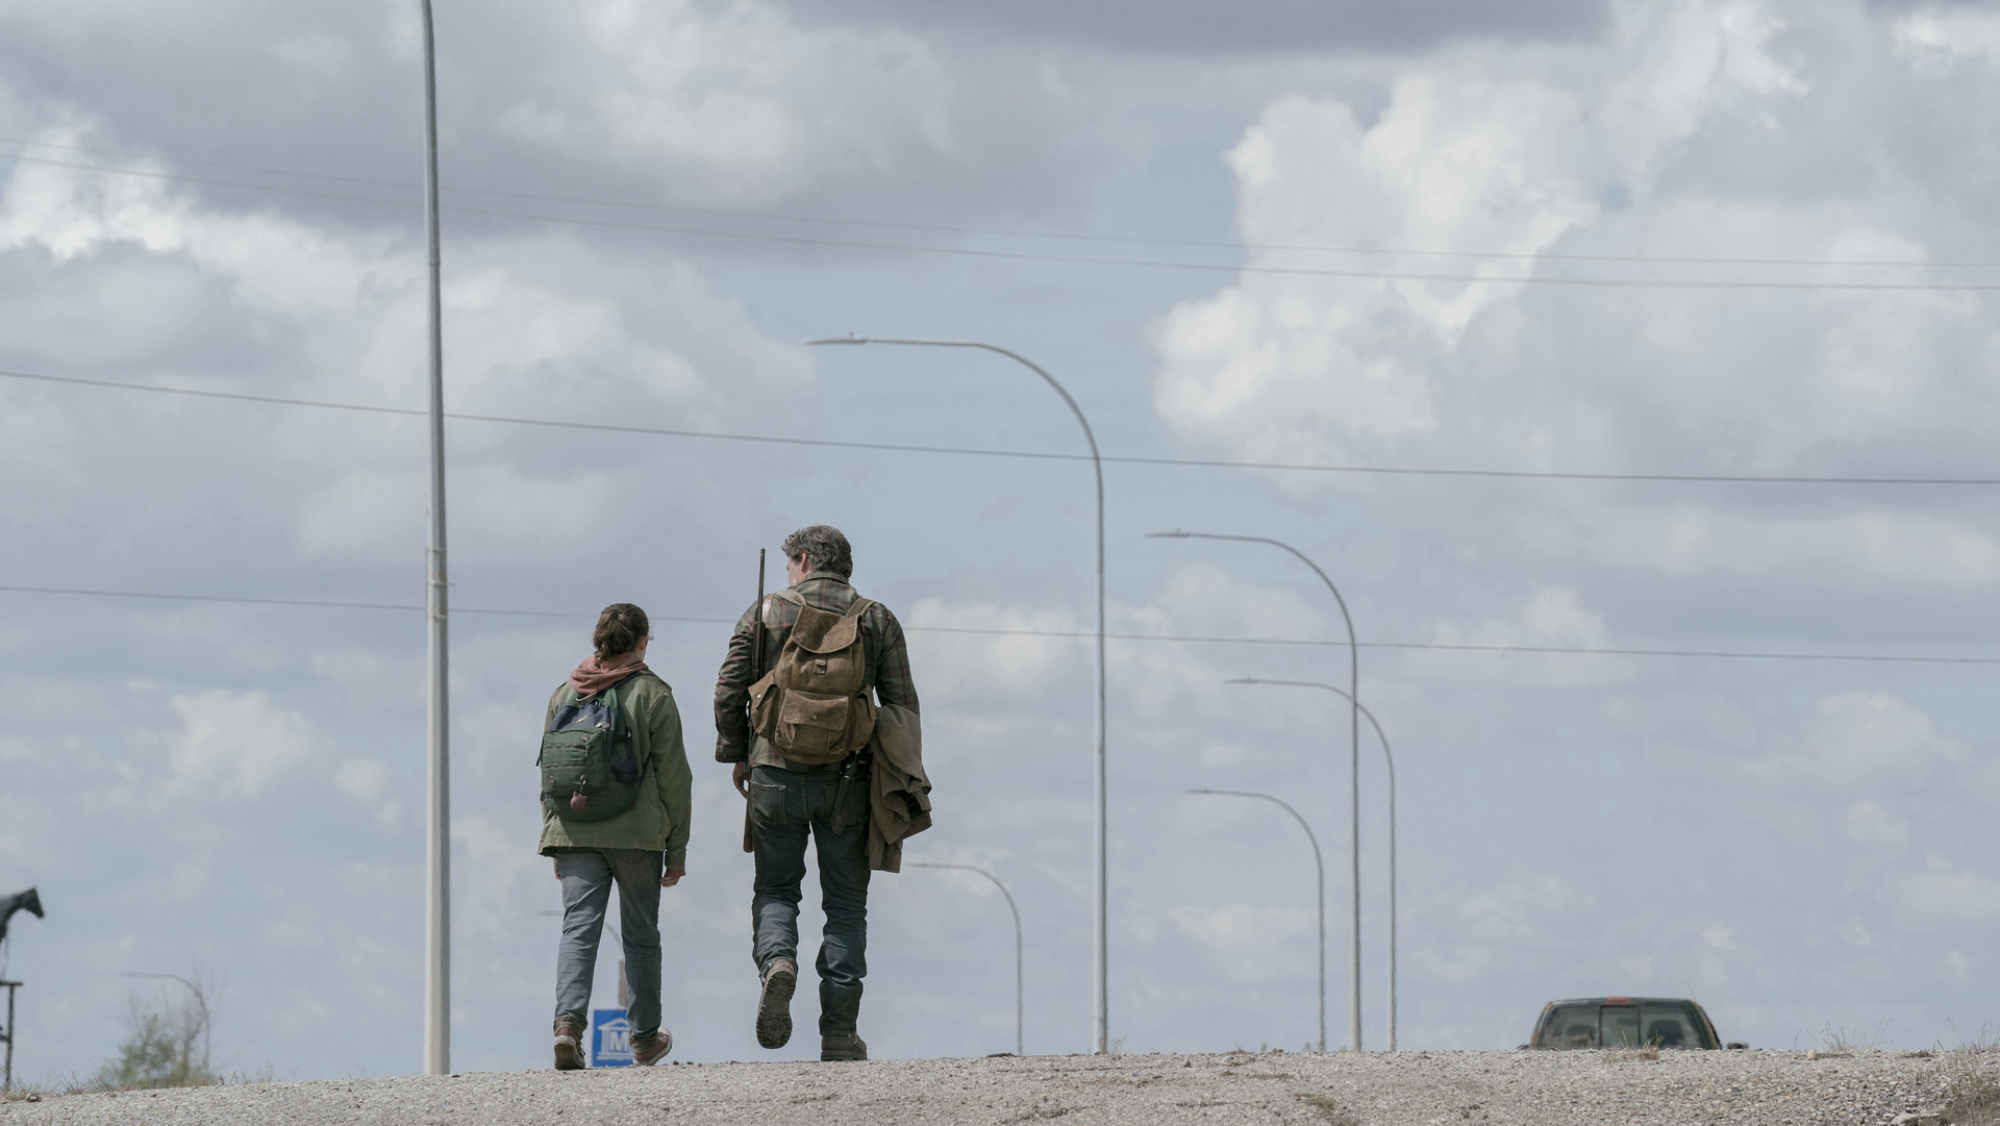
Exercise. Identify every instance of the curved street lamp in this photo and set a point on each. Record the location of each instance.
(1100, 967)
(1318, 866)
(1390, 757)
(1018, 1008)
(1354, 753)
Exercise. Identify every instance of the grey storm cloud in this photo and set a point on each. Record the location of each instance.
(1202, 27)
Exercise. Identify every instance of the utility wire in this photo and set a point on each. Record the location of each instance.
(1211, 463)
(936, 228)
(1079, 260)
(991, 632)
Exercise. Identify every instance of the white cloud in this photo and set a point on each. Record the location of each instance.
(236, 743)
(1855, 933)
(741, 105)
(1554, 617)
(1492, 160)
(1936, 38)
(1869, 546)
(1954, 895)
(362, 778)
(1252, 943)
(1870, 824)
(1463, 964)
(1518, 909)
(1956, 968)
(727, 95)
(363, 512)
(1207, 598)
(1872, 735)
(975, 665)
(491, 868)
(1719, 938)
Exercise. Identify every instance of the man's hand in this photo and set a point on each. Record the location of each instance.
(672, 877)
(741, 776)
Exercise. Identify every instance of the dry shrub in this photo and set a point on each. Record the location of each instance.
(1835, 1040)
(1973, 1074)
(1330, 1110)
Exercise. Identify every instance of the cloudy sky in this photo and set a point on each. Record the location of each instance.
(1633, 242)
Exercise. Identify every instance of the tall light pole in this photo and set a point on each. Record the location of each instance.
(1100, 959)
(1390, 757)
(1319, 866)
(437, 881)
(1019, 1008)
(1354, 754)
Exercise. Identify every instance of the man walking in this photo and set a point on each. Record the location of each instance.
(615, 807)
(802, 761)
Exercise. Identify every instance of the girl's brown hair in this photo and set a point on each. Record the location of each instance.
(620, 628)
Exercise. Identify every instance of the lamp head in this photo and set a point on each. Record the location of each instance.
(1176, 534)
(850, 338)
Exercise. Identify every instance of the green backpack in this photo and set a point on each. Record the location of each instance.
(590, 770)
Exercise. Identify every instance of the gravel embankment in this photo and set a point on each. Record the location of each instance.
(1767, 1088)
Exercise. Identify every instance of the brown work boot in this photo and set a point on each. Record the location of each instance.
(569, 1045)
(652, 1049)
(774, 1003)
(842, 1046)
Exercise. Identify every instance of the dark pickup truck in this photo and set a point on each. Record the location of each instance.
(1624, 1022)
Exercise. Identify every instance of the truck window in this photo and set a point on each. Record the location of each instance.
(1621, 1026)
(1669, 1026)
(1571, 1026)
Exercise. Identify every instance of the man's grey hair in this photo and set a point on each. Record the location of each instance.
(823, 548)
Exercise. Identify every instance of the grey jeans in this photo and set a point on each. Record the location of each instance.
(786, 806)
(587, 876)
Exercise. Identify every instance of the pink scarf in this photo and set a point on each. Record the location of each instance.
(596, 674)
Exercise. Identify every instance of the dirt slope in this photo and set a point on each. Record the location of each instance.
(1527, 1088)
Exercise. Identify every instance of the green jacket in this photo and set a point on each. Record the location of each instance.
(659, 819)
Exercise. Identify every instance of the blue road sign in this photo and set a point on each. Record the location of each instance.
(610, 1038)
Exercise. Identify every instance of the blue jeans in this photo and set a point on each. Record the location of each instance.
(587, 876)
(785, 805)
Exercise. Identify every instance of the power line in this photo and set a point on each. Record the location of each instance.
(334, 604)
(1076, 634)
(1206, 463)
(1080, 260)
(936, 228)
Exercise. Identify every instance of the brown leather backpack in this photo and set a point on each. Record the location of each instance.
(813, 705)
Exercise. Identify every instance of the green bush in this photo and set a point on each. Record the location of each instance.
(161, 1052)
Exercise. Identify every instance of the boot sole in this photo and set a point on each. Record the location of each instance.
(774, 1009)
(569, 1057)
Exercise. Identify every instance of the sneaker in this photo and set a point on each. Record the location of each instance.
(842, 1046)
(650, 1050)
(774, 1003)
(569, 1047)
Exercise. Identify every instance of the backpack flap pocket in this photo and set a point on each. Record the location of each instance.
(811, 727)
(567, 764)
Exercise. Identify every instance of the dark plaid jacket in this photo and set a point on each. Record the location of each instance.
(882, 647)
